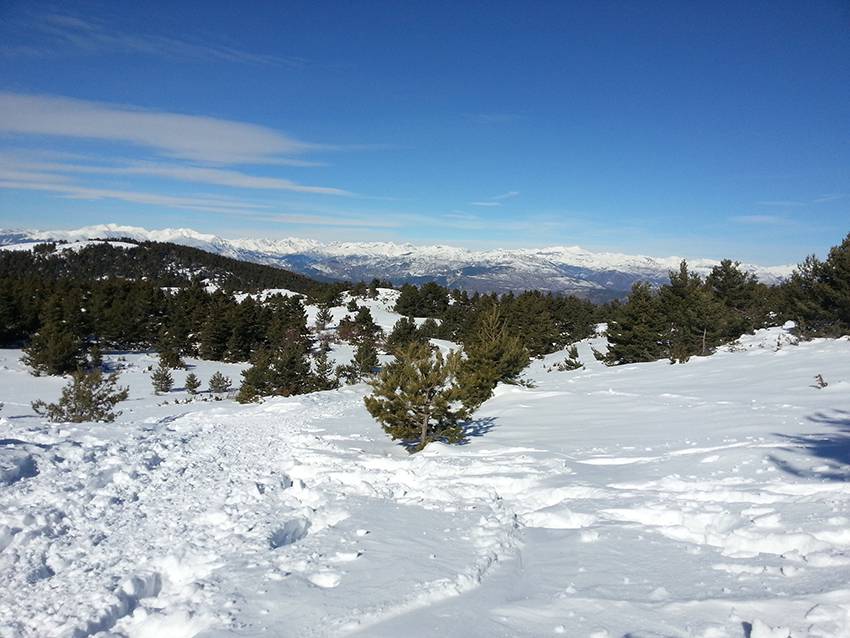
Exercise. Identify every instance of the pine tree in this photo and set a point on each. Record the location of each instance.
(54, 349)
(192, 383)
(493, 355)
(323, 371)
(409, 302)
(637, 331)
(738, 292)
(692, 315)
(352, 306)
(323, 318)
(219, 384)
(404, 332)
(89, 396)
(416, 398)
(365, 360)
(161, 379)
(283, 372)
(818, 294)
(373, 288)
(169, 351)
(95, 356)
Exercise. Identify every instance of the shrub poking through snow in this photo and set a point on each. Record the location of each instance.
(161, 379)
(192, 383)
(90, 396)
(571, 362)
(416, 397)
(219, 384)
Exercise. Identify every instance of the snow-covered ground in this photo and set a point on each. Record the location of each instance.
(709, 499)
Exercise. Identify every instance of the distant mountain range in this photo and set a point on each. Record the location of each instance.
(561, 269)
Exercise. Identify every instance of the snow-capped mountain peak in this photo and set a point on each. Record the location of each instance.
(563, 269)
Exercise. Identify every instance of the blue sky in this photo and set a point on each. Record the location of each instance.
(690, 128)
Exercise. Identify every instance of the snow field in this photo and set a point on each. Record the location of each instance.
(708, 500)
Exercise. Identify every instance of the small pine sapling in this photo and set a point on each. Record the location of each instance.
(89, 396)
(417, 399)
(161, 379)
(192, 383)
(219, 384)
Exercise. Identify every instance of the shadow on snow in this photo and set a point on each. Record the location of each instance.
(832, 444)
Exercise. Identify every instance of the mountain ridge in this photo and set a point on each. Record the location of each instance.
(560, 269)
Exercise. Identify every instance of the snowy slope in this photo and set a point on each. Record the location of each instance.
(708, 499)
(559, 268)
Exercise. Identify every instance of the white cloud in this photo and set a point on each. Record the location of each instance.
(496, 200)
(186, 173)
(64, 33)
(795, 203)
(74, 191)
(191, 137)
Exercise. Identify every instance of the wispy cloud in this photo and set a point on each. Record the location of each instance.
(62, 33)
(799, 203)
(496, 200)
(192, 137)
(74, 191)
(186, 173)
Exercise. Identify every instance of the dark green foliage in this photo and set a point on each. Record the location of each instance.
(743, 298)
(638, 329)
(361, 327)
(818, 294)
(162, 263)
(323, 318)
(430, 329)
(282, 372)
(352, 306)
(219, 384)
(168, 349)
(692, 316)
(404, 333)
(161, 379)
(323, 371)
(192, 383)
(54, 349)
(431, 300)
(571, 362)
(95, 357)
(365, 359)
(90, 396)
(416, 398)
(493, 355)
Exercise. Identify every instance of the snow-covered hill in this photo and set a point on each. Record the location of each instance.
(703, 500)
(569, 269)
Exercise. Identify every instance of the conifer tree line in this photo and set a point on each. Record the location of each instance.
(691, 316)
(67, 308)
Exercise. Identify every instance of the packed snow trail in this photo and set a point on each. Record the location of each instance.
(710, 500)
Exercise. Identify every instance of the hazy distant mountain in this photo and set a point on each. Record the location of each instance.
(564, 269)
